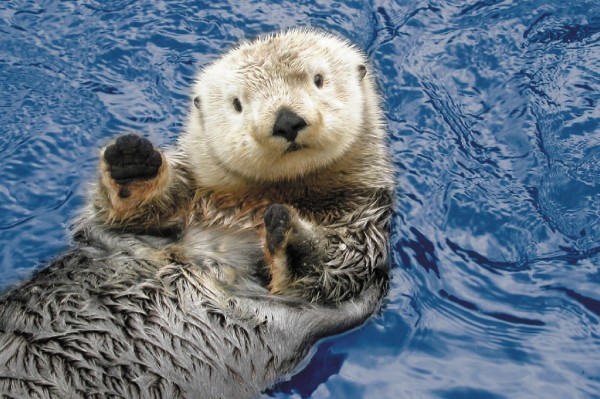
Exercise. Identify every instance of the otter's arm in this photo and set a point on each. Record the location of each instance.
(331, 262)
(138, 187)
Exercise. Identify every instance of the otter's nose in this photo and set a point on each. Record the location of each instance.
(288, 124)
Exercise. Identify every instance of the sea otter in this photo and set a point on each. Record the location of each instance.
(209, 269)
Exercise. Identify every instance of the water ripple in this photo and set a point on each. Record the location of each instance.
(493, 118)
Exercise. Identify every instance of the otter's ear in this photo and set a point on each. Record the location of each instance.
(197, 102)
(362, 71)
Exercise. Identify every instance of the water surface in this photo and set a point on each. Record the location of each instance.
(493, 118)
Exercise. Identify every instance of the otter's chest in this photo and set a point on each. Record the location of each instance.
(233, 212)
(246, 210)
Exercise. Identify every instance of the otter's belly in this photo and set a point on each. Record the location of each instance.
(92, 324)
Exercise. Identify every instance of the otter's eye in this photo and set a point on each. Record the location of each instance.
(318, 79)
(237, 105)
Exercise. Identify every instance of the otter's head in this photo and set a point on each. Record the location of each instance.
(280, 107)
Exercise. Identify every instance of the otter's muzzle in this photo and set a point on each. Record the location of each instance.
(288, 124)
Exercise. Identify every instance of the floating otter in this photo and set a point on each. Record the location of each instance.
(210, 269)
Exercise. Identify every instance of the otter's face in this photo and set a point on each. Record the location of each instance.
(281, 107)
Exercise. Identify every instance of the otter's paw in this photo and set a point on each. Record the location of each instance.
(278, 222)
(132, 157)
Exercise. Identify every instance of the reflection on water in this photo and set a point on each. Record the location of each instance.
(492, 108)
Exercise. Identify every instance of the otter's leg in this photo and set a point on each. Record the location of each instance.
(292, 248)
(138, 187)
(132, 172)
(290, 245)
(327, 263)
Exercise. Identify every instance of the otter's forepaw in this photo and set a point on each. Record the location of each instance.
(278, 222)
(131, 158)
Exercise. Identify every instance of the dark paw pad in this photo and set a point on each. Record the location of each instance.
(277, 222)
(132, 157)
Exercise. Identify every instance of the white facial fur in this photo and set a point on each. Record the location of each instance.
(266, 75)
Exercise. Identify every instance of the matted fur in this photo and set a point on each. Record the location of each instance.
(171, 290)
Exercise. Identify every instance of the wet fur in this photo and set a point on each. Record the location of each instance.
(212, 279)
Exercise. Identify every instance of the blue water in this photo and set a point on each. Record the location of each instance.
(494, 121)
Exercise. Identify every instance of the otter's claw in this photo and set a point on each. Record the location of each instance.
(132, 157)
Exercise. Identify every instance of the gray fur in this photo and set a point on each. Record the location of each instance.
(107, 323)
